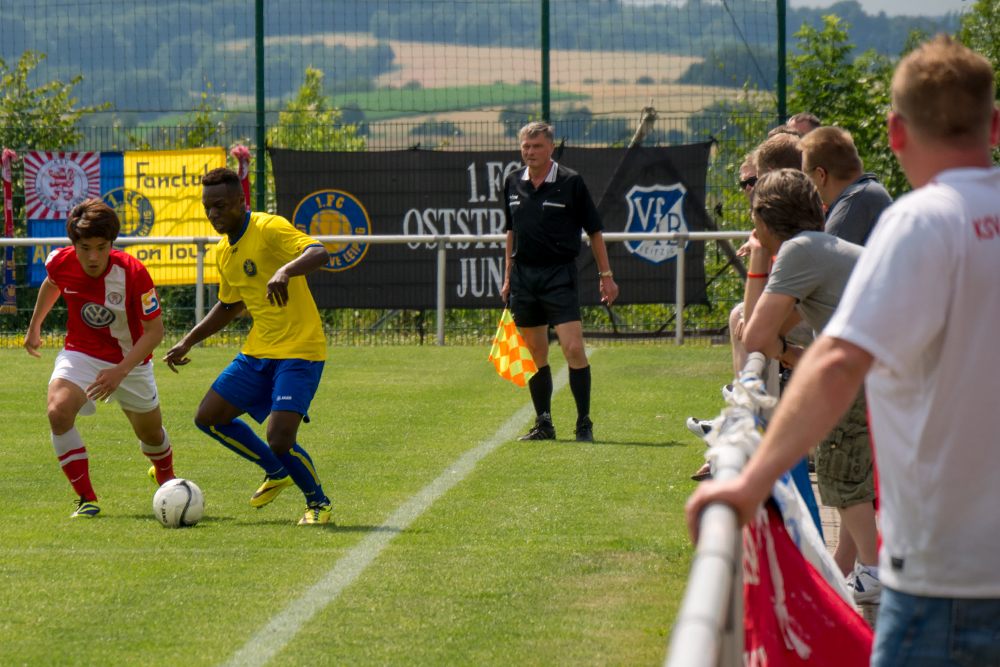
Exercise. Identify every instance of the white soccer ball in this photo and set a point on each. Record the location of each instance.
(178, 502)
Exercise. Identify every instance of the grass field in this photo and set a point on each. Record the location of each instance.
(546, 553)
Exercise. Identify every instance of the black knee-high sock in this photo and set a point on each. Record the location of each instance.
(540, 386)
(579, 383)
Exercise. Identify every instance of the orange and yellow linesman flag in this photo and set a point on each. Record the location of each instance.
(510, 355)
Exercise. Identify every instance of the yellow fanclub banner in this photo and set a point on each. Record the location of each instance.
(510, 355)
(161, 196)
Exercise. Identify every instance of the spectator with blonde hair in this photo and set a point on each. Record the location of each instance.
(854, 199)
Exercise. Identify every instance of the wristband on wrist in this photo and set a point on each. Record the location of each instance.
(756, 275)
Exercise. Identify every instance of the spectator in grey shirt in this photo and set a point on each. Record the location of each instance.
(806, 280)
(854, 200)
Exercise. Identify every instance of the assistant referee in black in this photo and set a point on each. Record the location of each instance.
(546, 206)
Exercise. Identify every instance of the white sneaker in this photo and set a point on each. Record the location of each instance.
(727, 392)
(700, 428)
(866, 588)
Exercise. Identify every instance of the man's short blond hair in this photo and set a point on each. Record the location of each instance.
(748, 162)
(779, 152)
(944, 92)
(536, 127)
(833, 149)
(783, 129)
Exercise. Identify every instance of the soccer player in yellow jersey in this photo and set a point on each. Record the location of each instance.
(263, 261)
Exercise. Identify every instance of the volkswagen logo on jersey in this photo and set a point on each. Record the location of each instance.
(133, 209)
(335, 213)
(651, 209)
(96, 315)
(250, 268)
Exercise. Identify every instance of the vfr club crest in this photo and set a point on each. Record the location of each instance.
(655, 209)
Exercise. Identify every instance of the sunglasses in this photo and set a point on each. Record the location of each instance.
(750, 182)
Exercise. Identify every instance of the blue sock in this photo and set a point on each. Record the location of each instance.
(299, 465)
(240, 438)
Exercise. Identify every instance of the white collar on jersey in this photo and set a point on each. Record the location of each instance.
(551, 178)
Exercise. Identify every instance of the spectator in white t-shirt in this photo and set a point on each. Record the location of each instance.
(918, 323)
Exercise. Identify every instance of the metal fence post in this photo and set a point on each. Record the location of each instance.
(679, 289)
(261, 181)
(199, 284)
(440, 294)
(782, 71)
(546, 92)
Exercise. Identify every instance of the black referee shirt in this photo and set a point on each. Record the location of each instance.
(546, 222)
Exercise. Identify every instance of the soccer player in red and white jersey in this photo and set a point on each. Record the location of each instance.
(114, 325)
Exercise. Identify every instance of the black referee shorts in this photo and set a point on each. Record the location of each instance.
(544, 294)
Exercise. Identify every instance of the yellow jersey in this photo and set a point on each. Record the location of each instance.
(267, 243)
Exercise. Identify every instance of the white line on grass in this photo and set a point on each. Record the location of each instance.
(283, 627)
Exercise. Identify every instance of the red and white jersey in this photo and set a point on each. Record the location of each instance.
(105, 313)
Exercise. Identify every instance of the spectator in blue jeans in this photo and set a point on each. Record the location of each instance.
(918, 323)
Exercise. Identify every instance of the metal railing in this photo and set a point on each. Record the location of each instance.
(708, 631)
(201, 243)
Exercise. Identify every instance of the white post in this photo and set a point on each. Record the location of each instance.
(679, 290)
(199, 288)
(440, 294)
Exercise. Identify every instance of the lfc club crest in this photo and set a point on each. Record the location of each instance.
(655, 209)
(335, 213)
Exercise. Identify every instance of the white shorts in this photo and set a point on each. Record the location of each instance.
(136, 393)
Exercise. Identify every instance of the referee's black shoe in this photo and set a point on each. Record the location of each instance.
(542, 430)
(584, 430)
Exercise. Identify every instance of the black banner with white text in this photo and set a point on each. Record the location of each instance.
(436, 192)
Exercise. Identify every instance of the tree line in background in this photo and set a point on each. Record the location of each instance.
(154, 57)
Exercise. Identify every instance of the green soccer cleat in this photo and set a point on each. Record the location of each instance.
(269, 490)
(316, 514)
(85, 508)
(152, 474)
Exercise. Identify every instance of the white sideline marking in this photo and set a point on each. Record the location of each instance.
(283, 627)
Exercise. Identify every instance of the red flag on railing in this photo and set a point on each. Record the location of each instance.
(791, 615)
(242, 155)
(8, 296)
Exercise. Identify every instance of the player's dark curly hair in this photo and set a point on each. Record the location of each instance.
(222, 176)
(92, 219)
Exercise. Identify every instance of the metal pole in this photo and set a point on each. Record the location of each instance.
(546, 99)
(440, 294)
(782, 75)
(261, 180)
(199, 288)
(732, 642)
(679, 290)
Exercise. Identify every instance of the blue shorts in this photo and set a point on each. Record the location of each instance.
(261, 386)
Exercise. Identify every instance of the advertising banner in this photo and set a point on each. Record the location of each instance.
(425, 193)
(155, 193)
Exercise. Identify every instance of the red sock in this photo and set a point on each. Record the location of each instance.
(162, 458)
(77, 471)
(164, 464)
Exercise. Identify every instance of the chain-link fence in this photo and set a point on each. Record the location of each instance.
(447, 75)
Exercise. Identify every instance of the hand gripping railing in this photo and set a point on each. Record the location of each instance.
(708, 631)
(441, 241)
